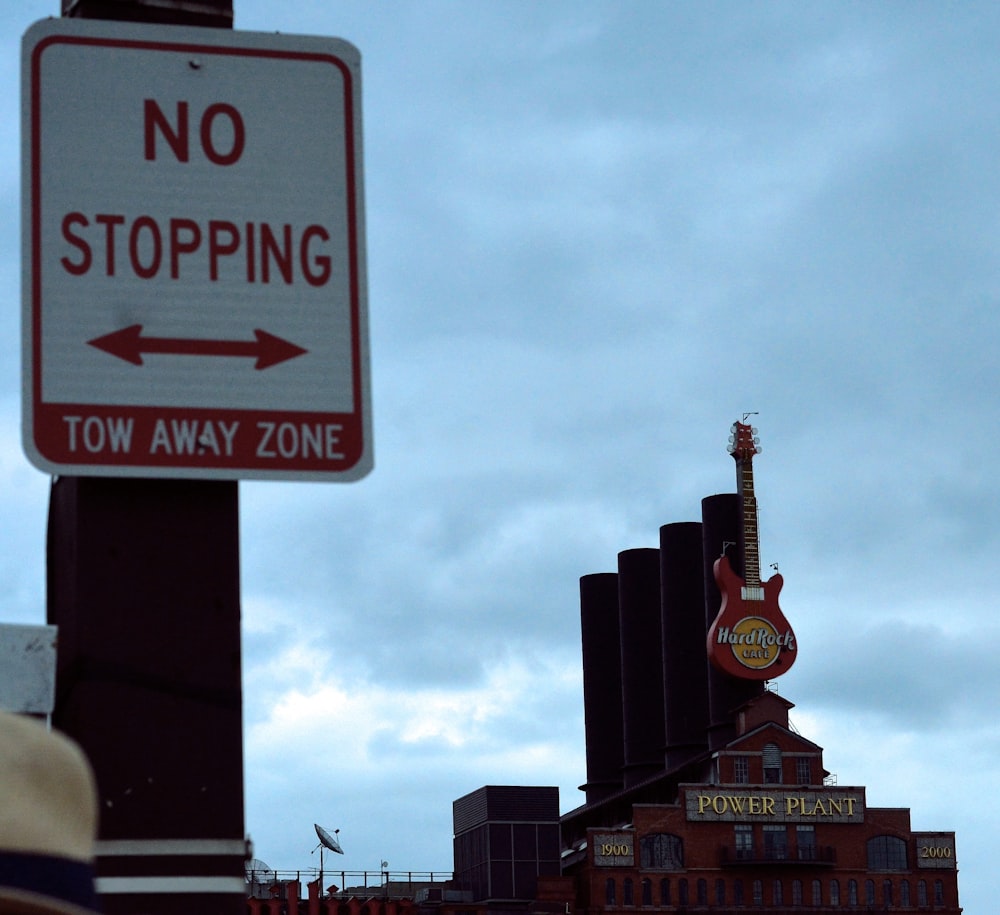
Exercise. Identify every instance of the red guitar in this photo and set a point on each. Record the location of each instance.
(750, 637)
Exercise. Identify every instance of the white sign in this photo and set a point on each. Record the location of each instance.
(28, 668)
(194, 290)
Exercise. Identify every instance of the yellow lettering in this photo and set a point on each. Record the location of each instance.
(737, 803)
(819, 809)
(836, 806)
(792, 804)
(768, 803)
(719, 804)
(703, 801)
(754, 806)
(850, 806)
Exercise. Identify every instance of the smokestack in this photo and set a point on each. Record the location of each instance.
(720, 516)
(685, 663)
(642, 663)
(602, 684)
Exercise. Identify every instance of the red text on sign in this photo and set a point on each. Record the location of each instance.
(149, 248)
(218, 118)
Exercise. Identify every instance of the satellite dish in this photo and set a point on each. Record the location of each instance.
(258, 872)
(327, 840)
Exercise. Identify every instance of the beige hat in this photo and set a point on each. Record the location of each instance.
(48, 822)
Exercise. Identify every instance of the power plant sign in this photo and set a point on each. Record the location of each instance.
(194, 300)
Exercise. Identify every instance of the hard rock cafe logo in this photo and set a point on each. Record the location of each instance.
(755, 643)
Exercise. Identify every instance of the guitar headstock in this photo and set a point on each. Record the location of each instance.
(744, 442)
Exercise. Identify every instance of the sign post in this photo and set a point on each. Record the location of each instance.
(194, 311)
(194, 265)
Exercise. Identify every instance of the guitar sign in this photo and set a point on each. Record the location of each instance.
(750, 638)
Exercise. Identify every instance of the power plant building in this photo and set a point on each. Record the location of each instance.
(700, 796)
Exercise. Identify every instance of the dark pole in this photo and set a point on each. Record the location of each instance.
(143, 583)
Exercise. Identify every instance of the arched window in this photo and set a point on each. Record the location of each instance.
(663, 850)
(665, 892)
(778, 893)
(647, 891)
(817, 892)
(738, 891)
(702, 891)
(682, 891)
(796, 892)
(720, 892)
(758, 892)
(938, 892)
(886, 853)
(852, 892)
(835, 893)
(610, 892)
(627, 896)
(921, 892)
(869, 892)
(887, 892)
(772, 764)
(904, 894)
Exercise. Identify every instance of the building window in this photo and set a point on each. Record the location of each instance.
(803, 770)
(886, 853)
(921, 892)
(741, 770)
(775, 843)
(610, 892)
(682, 891)
(647, 891)
(627, 897)
(904, 894)
(887, 892)
(817, 893)
(738, 891)
(702, 891)
(772, 764)
(805, 840)
(664, 891)
(869, 892)
(938, 892)
(758, 892)
(796, 892)
(661, 850)
(744, 840)
(852, 892)
(835, 893)
(720, 892)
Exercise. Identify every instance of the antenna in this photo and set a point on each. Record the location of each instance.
(259, 877)
(327, 840)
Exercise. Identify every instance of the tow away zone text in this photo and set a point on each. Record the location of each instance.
(168, 437)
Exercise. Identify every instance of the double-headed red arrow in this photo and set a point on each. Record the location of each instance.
(129, 344)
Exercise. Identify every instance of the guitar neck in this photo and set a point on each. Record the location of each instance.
(748, 511)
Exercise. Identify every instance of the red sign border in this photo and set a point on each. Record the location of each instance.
(42, 448)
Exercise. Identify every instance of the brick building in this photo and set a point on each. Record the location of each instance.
(700, 796)
(754, 827)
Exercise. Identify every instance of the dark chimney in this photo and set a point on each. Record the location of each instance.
(685, 665)
(720, 516)
(602, 684)
(642, 663)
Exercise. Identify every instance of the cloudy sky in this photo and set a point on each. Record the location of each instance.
(599, 232)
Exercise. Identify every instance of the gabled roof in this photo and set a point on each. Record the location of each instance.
(782, 736)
